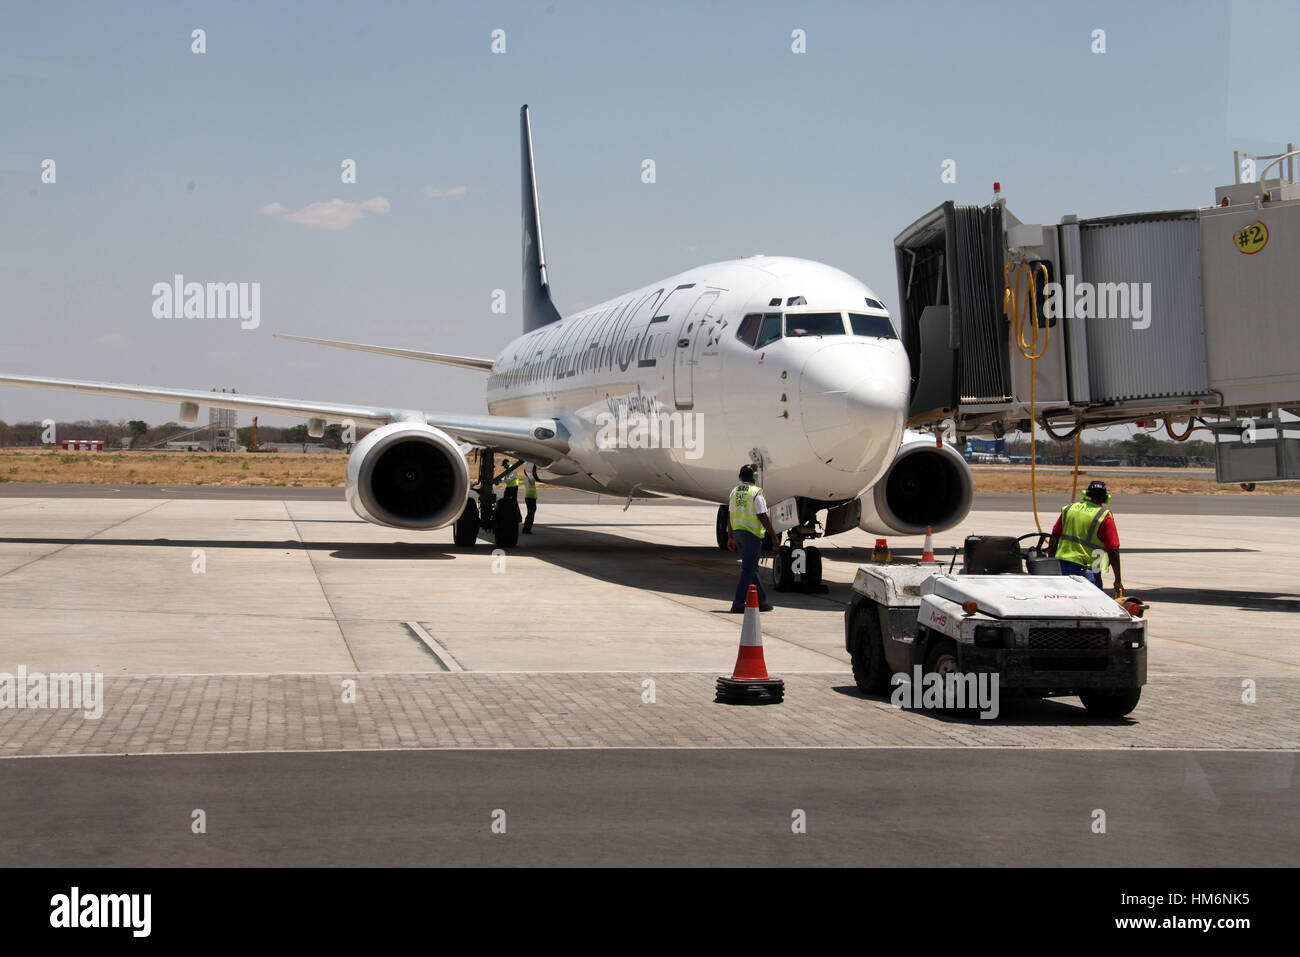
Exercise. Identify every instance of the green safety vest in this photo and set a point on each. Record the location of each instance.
(530, 487)
(1079, 541)
(743, 516)
(512, 478)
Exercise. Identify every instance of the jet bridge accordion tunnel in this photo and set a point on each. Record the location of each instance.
(1190, 317)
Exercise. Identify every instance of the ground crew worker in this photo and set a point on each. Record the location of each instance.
(511, 481)
(1085, 539)
(746, 521)
(530, 498)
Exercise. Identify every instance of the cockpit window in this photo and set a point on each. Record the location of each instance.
(878, 327)
(874, 303)
(748, 331)
(796, 301)
(814, 324)
(771, 330)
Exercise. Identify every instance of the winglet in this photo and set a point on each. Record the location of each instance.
(538, 308)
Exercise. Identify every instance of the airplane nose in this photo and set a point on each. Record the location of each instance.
(853, 398)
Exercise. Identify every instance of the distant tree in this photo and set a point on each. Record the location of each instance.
(296, 433)
(1142, 445)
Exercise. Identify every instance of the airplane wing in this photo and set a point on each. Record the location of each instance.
(540, 438)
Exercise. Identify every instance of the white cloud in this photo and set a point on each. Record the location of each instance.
(336, 214)
(439, 192)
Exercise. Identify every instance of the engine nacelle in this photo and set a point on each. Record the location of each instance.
(408, 475)
(925, 485)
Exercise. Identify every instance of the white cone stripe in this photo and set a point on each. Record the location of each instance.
(750, 632)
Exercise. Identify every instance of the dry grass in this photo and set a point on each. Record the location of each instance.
(327, 471)
(172, 468)
(1059, 483)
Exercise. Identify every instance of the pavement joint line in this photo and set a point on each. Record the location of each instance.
(311, 561)
(668, 747)
(86, 540)
(439, 651)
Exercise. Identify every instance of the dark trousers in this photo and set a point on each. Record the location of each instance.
(531, 504)
(750, 547)
(1073, 568)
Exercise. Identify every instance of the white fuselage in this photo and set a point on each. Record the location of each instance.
(823, 413)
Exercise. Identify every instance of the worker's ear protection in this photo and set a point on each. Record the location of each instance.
(1083, 497)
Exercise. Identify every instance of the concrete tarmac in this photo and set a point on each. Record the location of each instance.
(569, 681)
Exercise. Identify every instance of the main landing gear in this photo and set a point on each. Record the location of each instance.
(502, 517)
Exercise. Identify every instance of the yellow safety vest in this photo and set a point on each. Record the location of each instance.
(743, 516)
(1079, 541)
(530, 487)
(512, 478)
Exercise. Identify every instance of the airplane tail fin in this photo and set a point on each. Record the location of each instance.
(538, 308)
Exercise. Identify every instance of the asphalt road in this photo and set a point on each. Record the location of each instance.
(1257, 504)
(878, 807)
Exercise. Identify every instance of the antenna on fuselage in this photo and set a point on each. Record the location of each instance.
(538, 308)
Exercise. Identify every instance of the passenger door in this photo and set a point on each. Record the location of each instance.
(688, 336)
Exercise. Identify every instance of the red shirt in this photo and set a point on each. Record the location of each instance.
(1107, 533)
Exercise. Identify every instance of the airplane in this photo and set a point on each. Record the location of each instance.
(790, 365)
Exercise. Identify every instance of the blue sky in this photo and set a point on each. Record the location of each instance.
(166, 159)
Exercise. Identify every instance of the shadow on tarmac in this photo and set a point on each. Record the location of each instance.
(1012, 711)
(1241, 600)
(391, 550)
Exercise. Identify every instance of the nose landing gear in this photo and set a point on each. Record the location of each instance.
(798, 567)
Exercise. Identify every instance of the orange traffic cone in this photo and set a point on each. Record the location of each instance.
(927, 550)
(750, 682)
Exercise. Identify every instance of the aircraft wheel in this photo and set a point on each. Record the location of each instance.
(812, 574)
(782, 576)
(720, 527)
(506, 528)
(465, 531)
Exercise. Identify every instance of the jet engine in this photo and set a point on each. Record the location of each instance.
(925, 485)
(408, 475)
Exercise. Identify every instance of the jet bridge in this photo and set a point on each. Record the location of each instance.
(1189, 316)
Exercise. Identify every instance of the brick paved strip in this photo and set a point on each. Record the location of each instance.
(221, 713)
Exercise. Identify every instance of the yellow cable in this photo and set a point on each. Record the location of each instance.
(1191, 427)
(1029, 348)
(1074, 487)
